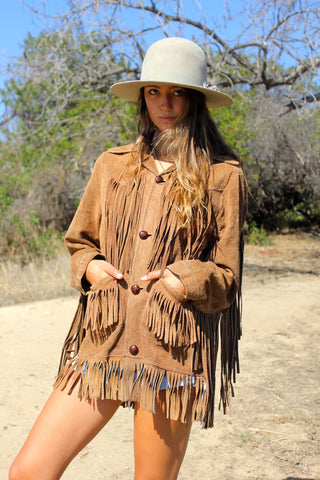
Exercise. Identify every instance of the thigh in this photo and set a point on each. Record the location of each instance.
(65, 425)
(159, 444)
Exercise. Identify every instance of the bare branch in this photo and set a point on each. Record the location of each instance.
(97, 42)
(300, 103)
(297, 72)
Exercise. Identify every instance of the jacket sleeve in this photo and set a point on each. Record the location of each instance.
(83, 236)
(212, 285)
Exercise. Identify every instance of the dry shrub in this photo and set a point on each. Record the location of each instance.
(38, 280)
(285, 170)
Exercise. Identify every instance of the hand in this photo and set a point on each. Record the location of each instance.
(98, 269)
(172, 279)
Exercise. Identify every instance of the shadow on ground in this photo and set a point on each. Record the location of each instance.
(299, 478)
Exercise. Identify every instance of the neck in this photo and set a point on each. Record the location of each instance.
(156, 150)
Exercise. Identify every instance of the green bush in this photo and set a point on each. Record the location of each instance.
(302, 215)
(25, 240)
(255, 235)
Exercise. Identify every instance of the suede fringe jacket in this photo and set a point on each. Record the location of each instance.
(128, 335)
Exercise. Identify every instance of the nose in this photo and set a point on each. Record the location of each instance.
(166, 103)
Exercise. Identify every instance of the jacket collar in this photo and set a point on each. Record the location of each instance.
(122, 149)
(149, 163)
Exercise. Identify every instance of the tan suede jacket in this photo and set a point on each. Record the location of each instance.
(128, 336)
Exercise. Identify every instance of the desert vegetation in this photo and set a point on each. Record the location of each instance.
(59, 114)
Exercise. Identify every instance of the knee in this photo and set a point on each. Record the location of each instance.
(19, 471)
(13, 472)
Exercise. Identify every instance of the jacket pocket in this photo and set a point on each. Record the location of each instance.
(170, 317)
(103, 306)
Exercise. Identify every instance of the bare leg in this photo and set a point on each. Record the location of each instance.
(159, 444)
(65, 425)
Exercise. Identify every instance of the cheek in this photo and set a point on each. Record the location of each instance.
(182, 105)
(151, 107)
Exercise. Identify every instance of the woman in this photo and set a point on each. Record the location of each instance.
(156, 252)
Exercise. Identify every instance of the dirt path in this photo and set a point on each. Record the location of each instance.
(272, 432)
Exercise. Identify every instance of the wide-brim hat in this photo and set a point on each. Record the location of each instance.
(173, 61)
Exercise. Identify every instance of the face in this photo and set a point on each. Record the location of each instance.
(166, 104)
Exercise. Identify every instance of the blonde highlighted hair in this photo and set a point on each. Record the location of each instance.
(193, 143)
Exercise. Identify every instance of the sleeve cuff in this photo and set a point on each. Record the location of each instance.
(78, 280)
(194, 290)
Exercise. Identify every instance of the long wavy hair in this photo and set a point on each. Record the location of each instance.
(193, 143)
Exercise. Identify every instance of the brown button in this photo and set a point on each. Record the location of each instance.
(133, 349)
(135, 289)
(143, 235)
(159, 179)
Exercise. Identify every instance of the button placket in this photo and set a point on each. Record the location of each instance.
(142, 249)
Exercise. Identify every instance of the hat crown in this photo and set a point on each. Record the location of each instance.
(175, 60)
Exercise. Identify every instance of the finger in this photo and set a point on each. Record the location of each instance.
(114, 272)
(154, 275)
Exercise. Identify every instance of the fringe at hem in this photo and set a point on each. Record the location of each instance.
(131, 381)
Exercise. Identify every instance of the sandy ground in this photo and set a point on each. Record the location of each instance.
(272, 431)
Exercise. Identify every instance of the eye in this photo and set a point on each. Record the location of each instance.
(180, 92)
(152, 91)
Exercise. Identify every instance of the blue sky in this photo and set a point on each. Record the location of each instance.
(16, 21)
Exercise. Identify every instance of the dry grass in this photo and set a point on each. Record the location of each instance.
(39, 280)
(289, 253)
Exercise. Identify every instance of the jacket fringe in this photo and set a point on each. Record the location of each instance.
(97, 312)
(230, 334)
(122, 216)
(169, 320)
(75, 335)
(192, 236)
(165, 232)
(205, 357)
(108, 379)
(102, 309)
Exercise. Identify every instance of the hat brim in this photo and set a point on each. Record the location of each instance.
(130, 91)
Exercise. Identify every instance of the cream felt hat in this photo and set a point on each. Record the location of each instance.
(173, 61)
